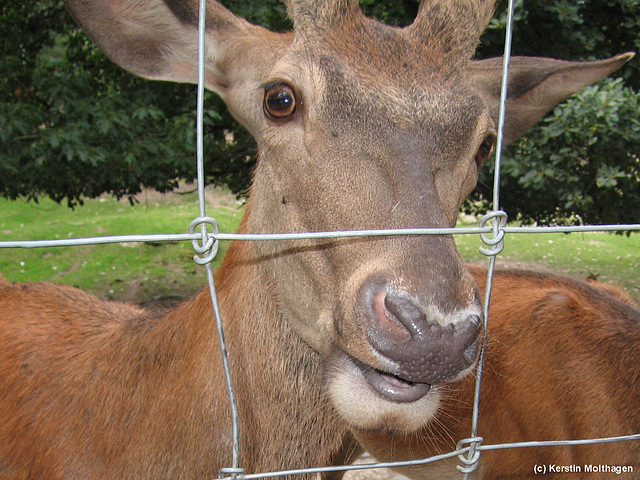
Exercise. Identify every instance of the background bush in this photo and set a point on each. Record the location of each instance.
(580, 165)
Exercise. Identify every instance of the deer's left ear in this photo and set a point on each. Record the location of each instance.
(157, 39)
(536, 85)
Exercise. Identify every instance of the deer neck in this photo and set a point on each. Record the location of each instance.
(276, 376)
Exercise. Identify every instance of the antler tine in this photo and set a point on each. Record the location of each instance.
(318, 14)
(453, 25)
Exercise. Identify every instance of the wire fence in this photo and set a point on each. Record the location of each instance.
(492, 228)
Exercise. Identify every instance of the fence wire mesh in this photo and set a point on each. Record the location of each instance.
(492, 228)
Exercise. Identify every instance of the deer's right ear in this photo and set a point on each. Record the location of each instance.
(536, 85)
(157, 39)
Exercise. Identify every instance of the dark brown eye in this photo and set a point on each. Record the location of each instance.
(485, 150)
(279, 101)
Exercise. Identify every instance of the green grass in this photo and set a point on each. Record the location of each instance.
(135, 272)
(146, 273)
(604, 256)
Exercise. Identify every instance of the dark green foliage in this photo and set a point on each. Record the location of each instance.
(271, 14)
(569, 30)
(73, 125)
(393, 12)
(581, 165)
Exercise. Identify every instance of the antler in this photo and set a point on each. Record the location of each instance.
(311, 14)
(452, 26)
(450, 29)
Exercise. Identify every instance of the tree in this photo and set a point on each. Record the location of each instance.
(74, 125)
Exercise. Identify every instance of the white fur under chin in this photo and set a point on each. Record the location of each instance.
(363, 408)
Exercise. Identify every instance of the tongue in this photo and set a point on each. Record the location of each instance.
(395, 389)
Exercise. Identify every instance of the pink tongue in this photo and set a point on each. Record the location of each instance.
(395, 389)
(394, 381)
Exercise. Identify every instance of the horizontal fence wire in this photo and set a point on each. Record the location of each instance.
(492, 233)
(262, 237)
(444, 456)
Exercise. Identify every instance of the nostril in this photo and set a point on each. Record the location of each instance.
(388, 322)
(470, 353)
(467, 334)
(407, 313)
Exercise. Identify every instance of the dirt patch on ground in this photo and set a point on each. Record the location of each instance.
(214, 197)
(372, 474)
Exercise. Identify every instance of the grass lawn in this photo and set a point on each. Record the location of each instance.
(136, 272)
(147, 273)
(604, 256)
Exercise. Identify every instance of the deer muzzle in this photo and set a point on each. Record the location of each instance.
(424, 349)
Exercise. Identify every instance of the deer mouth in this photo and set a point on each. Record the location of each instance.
(372, 399)
(393, 388)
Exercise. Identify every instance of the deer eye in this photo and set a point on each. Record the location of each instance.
(486, 149)
(279, 101)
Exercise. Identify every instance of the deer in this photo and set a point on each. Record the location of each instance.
(562, 362)
(358, 125)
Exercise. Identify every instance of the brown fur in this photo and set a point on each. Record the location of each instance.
(562, 363)
(105, 390)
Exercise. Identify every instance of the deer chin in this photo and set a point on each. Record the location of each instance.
(372, 400)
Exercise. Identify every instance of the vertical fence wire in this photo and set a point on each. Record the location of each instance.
(472, 459)
(206, 240)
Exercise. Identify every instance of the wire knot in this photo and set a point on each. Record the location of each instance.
(231, 472)
(473, 454)
(496, 240)
(207, 250)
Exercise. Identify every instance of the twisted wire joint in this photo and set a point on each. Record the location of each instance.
(471, 460)
(208, 248)
(230, 472)
(496, 240)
